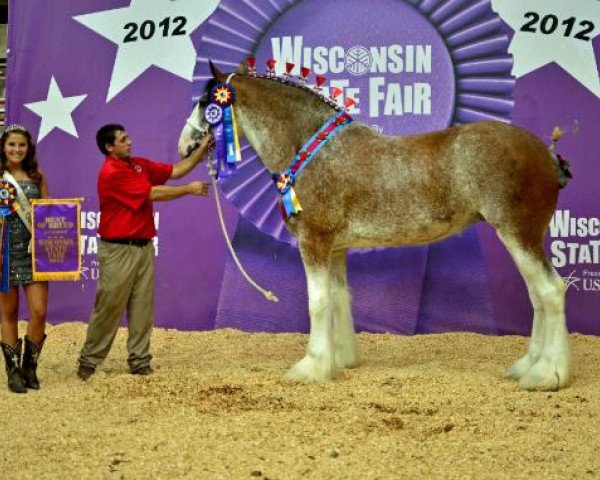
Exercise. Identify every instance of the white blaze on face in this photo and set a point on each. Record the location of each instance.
(193, 130)
(185, 140)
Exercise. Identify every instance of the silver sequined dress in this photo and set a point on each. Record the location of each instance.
(20, 259)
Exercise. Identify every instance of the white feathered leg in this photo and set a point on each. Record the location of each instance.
(551, 369)
(318, 365)
(546, 365)
(344, 336)
(520, 367)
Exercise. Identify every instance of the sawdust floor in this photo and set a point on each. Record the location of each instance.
(417, 407)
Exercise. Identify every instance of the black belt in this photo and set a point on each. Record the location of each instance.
(136, 242)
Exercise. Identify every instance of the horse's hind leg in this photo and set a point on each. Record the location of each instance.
(344, 337)
(318, 365)
(546, 365)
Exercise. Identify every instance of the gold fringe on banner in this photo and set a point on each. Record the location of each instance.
(65, 275)
(46, 276)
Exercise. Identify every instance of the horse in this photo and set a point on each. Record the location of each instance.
(364, 189)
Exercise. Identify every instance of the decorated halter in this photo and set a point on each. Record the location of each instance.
(284, 182)
(220, 115)
(8, 205)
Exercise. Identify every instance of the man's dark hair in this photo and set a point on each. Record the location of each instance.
(107, 135)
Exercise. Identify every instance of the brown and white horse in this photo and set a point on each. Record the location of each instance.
(365, 189)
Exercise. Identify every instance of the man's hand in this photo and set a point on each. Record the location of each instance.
(200, 189)
(185, 165)
(162, 193)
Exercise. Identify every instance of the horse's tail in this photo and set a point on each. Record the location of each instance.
(561, 165)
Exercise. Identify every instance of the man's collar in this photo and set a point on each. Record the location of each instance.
(116, 159)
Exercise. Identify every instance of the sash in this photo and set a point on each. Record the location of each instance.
(24, 210)
(8, 205)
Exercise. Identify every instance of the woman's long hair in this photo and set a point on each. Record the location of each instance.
(30, 164)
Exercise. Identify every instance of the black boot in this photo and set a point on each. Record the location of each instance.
(12, 357)
(30, 362)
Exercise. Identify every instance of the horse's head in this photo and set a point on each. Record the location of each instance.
(196, 126)
(275, 115)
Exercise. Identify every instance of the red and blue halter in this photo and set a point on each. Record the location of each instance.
(284, 181)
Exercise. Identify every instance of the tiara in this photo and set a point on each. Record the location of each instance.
(13, 127)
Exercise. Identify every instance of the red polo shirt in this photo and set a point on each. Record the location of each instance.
(123, 190)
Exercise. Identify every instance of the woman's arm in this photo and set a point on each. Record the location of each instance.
(44, 187)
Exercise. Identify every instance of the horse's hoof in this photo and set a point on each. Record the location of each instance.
(341, 363)
(545, 376)
(519, 368)
(310, 370)
(346, 359)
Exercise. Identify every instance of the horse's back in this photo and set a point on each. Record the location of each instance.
(374, 189)
(506, 172)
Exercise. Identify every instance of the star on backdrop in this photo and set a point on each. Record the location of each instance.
(554, 31)
(150, 32)
(56, 111)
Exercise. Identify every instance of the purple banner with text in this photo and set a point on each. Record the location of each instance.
(56, 239)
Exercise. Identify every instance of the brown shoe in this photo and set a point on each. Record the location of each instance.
(147, 370)
(84, 372)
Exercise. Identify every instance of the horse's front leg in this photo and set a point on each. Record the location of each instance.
(344, 337)
(318, 365)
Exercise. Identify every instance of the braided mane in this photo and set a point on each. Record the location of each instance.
(327, 100)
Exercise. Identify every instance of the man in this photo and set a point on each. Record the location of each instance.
(127, 186)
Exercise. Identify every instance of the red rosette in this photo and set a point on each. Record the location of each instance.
(222, 94)
(8, 197)
(336, 92)
(349, 103)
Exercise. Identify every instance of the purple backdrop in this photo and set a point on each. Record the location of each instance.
(73, 67)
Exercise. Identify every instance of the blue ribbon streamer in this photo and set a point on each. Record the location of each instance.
(288, 203)
(4, 284)
(229, 136)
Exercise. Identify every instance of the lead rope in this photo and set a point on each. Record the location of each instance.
(267, 293)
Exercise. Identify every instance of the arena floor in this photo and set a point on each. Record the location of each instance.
(432, 406)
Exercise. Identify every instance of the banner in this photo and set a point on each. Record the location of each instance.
(55, 242)
(412, 66)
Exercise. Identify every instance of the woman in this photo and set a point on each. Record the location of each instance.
(18, 166)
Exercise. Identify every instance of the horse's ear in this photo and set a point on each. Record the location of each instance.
(217, 75)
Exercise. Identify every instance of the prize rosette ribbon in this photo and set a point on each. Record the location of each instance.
(56, 234)
(8, 205)
(221, 116)
(289, 203)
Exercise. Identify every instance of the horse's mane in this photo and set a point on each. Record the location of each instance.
(284, 81)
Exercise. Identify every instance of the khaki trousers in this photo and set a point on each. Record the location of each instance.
(126, 282)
